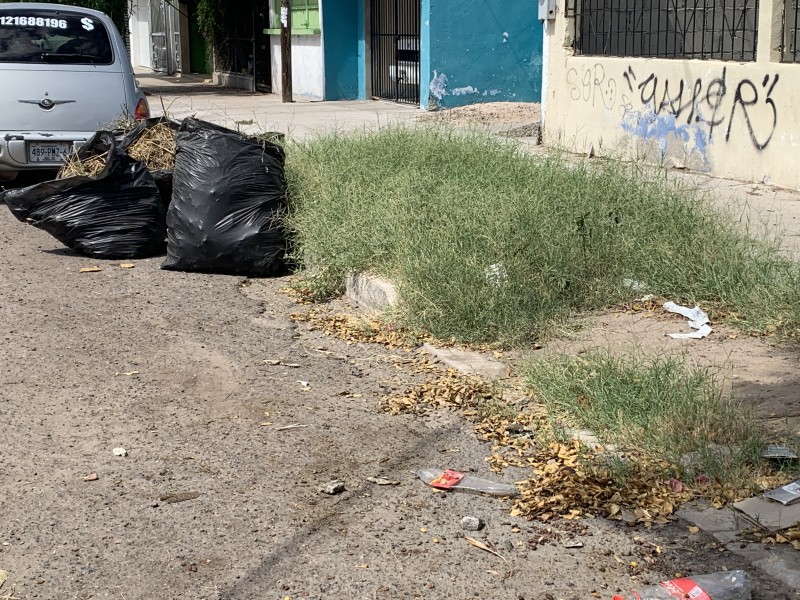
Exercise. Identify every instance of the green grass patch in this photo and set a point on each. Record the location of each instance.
(660, 406)
(490, 244)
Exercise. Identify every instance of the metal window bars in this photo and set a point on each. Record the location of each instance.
(679, 29)
(791, 31)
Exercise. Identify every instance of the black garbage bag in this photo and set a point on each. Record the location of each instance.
(116, 214)
(228, 200)
(163, 177)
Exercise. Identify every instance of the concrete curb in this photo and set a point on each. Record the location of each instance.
(376, 294)
(724, 525)
(469, 362)
(370, 292)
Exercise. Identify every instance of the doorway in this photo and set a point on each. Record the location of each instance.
(395, 43)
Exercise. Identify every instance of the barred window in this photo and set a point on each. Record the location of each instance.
(791, 31)
(706, 29)
(305, 16)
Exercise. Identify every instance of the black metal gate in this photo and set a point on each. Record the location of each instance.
(395, 36)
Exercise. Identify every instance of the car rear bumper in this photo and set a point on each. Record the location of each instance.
(14, 149)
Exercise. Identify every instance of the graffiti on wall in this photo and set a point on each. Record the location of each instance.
(653, 107)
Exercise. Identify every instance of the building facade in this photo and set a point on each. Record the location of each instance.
(432, 53)
(693, 84)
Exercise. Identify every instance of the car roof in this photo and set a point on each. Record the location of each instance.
(59, 7)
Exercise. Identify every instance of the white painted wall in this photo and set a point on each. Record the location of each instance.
(140, 33)
(308, 66)
(729, 119)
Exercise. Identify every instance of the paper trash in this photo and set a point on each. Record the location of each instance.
(698, 320)
(778, 453)
(788, 494)
(701, 333)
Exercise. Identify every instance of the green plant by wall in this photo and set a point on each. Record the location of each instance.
(211, 18)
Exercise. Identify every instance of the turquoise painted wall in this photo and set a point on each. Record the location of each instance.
(362, 51)
(343, 35)
(480, 51)
(425, 52)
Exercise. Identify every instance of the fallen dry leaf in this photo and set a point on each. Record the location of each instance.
(693, 529)
(486, 548)
(276, 363)
(91, 477)
(176, 497)
(90, 270)
(789, 536)
(382, 481)
(127, 266)
(292, 426)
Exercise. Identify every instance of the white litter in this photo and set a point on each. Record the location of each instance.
(701, 333)
(120, 452)
(698, 320)
(788, 494)
(496, 274)
(633, 285)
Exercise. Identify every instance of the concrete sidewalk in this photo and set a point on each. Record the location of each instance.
(254, 112)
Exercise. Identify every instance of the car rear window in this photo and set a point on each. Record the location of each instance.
(53, 36)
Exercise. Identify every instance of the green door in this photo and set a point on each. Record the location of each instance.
(198, 48)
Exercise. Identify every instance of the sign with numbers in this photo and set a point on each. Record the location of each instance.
(23, 21)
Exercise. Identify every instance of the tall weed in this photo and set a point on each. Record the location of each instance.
(489, 244)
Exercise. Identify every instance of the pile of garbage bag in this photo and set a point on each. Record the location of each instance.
(117, 213)
(213, 197)
(229, 194)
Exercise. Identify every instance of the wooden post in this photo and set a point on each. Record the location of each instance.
(286, 50)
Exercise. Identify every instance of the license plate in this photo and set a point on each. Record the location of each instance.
(48, 152)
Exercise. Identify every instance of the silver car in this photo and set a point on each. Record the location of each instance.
(64, 73)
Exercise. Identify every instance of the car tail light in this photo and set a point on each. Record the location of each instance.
(142, 110)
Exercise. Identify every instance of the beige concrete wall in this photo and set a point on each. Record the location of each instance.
(730, 119)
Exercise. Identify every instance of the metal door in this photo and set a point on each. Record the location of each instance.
(174, 31)
(395, 41)
(159, 38)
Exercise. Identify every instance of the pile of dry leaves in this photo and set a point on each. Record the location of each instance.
(358, 329)
(450, 389)
(569, 480)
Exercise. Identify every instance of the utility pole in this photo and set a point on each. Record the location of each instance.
(286, 50)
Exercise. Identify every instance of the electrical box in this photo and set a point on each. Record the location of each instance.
(547, 10)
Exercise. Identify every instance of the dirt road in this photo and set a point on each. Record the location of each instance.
(213, 500)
